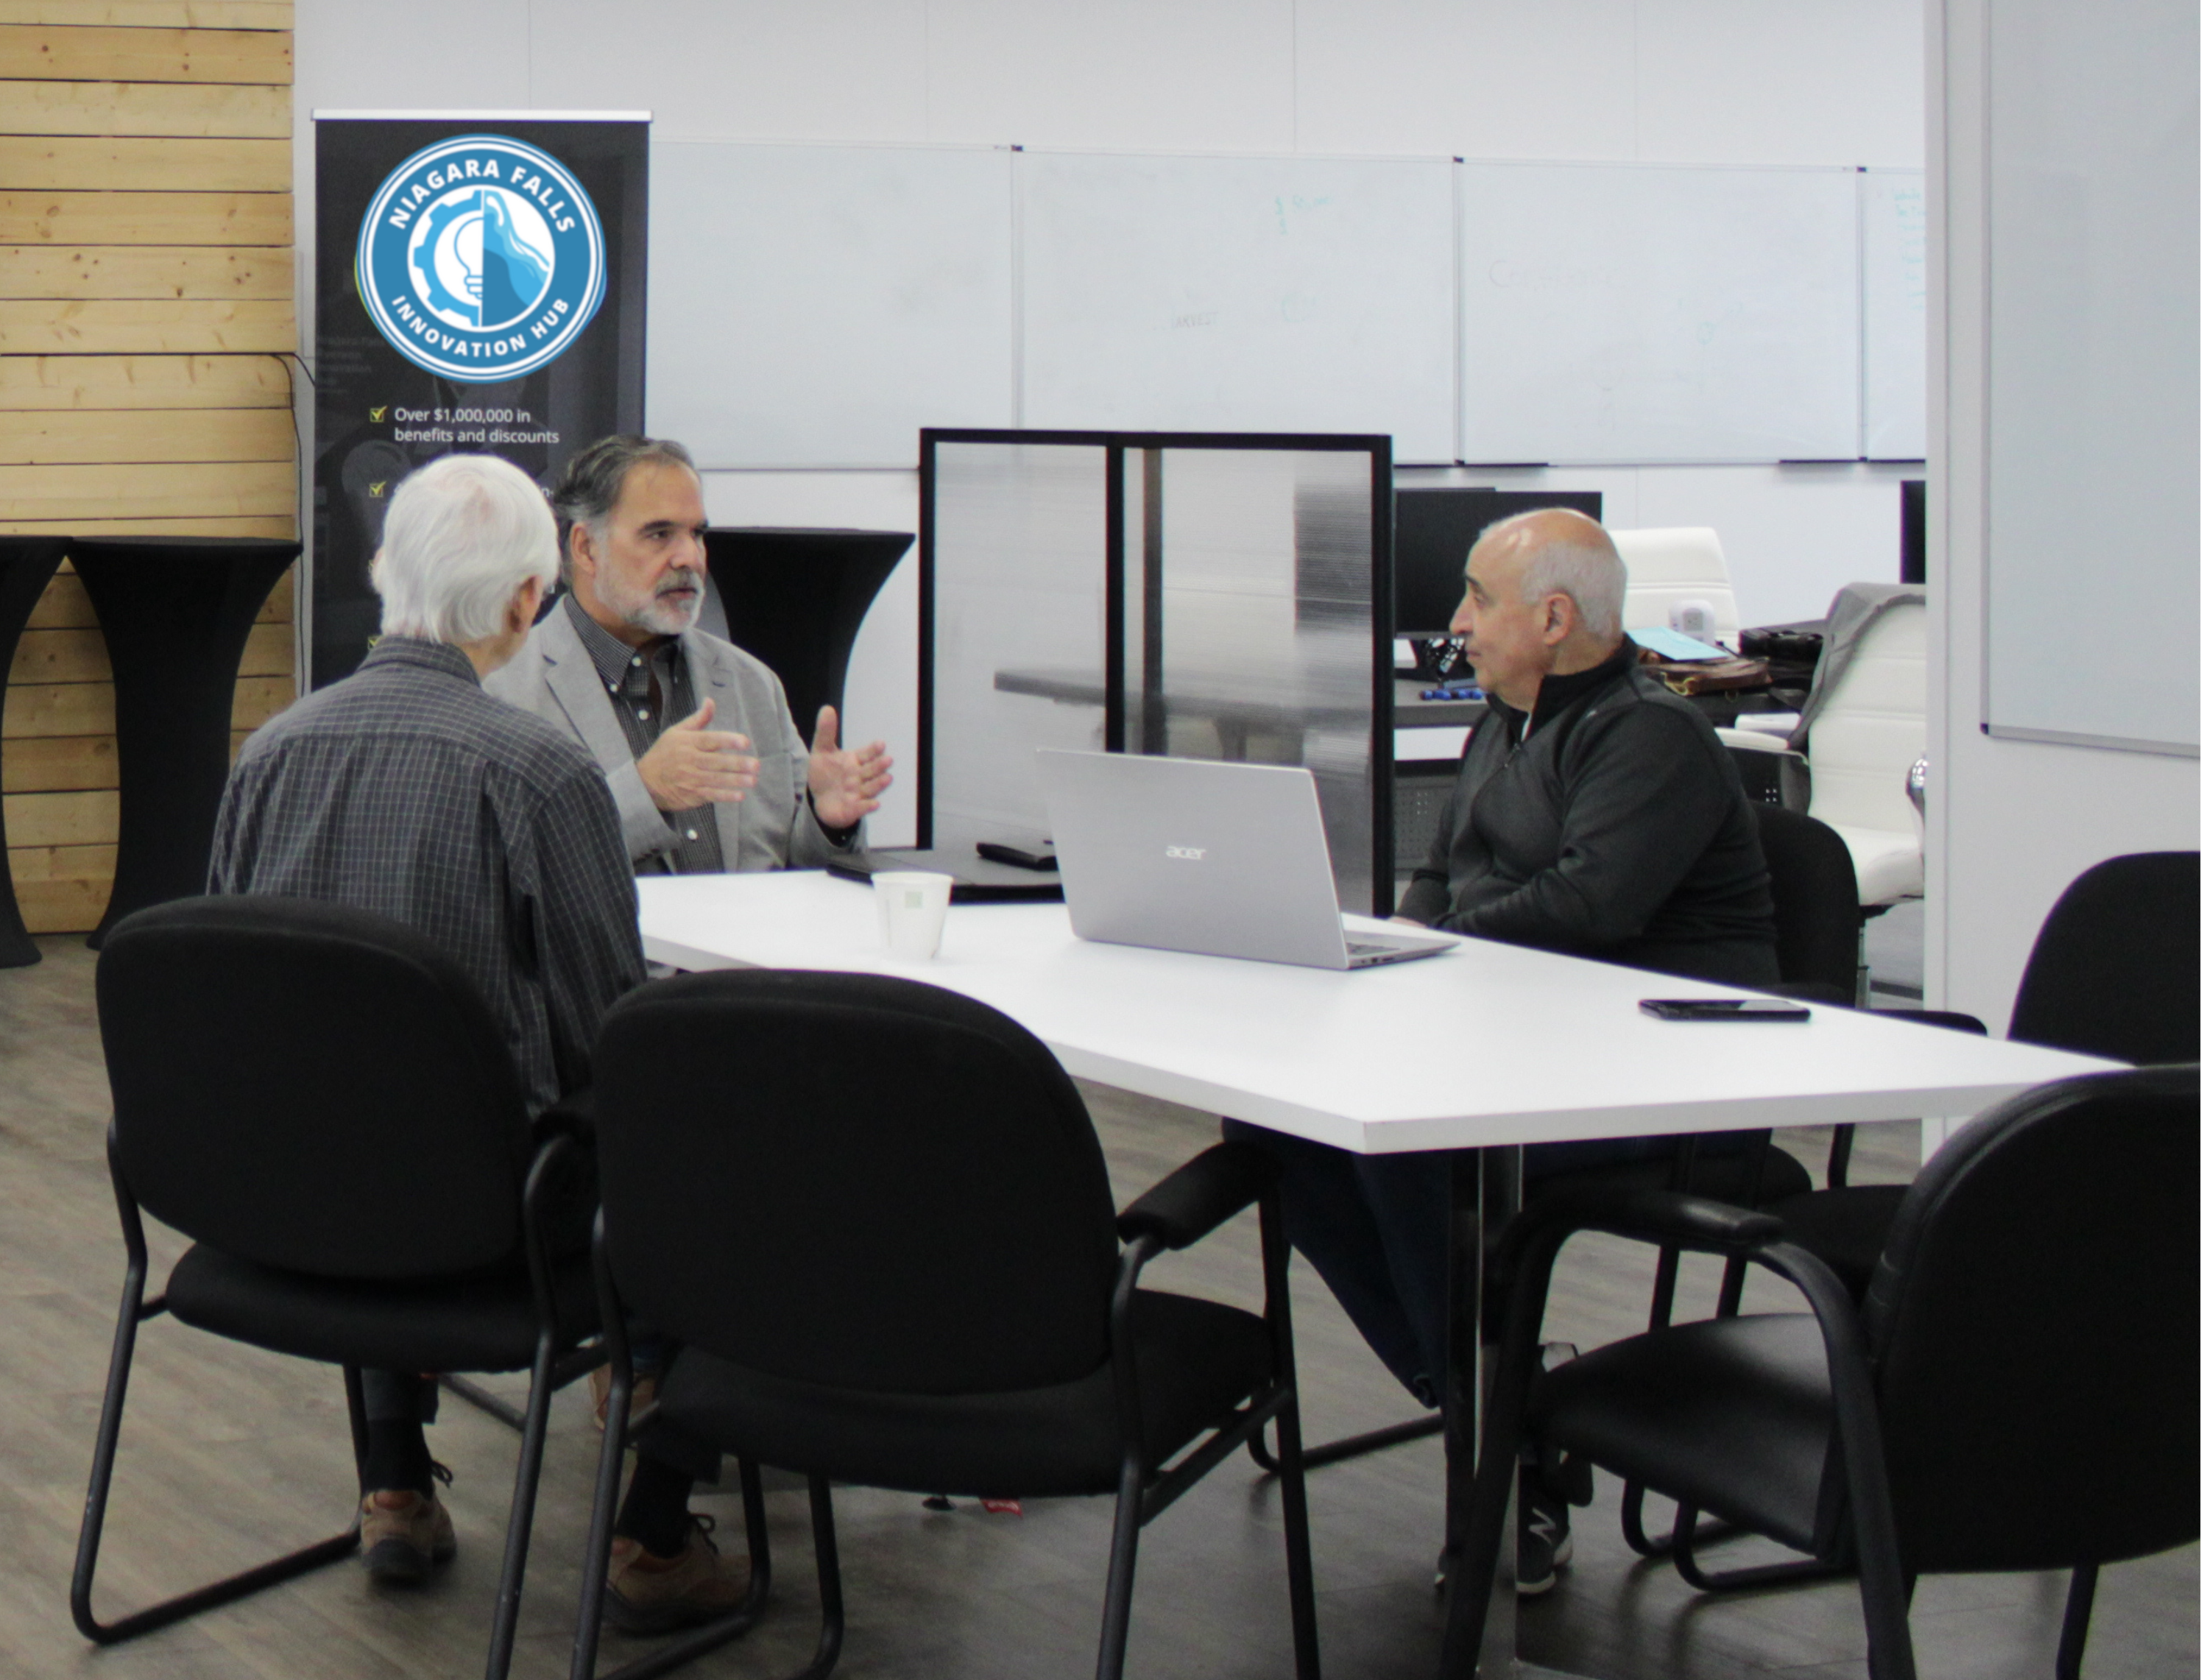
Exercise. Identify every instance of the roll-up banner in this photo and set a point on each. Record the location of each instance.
(480, 288)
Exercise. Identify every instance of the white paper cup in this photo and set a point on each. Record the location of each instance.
(913, 906)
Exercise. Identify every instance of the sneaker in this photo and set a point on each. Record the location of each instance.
(653, 1595)
(1543, 1544)
(402, 1534)
(599, 1389)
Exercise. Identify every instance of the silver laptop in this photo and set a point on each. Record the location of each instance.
(1189, 855)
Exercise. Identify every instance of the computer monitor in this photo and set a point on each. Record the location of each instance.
(1434, 530)
(1914, 530)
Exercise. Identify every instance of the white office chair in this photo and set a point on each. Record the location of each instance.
(1864, 736)
(1669, 566)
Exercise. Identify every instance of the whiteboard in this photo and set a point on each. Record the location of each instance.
(814, 306)
(1891, 222)
(2093, 376)
(1644, 314)
(1240, 294)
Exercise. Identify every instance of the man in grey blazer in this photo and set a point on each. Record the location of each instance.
(694, 735)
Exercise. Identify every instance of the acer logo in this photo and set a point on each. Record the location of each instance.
(1190, 854)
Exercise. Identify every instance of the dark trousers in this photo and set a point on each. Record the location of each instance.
(1375, 1227)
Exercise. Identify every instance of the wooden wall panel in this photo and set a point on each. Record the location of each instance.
(39, 436)
(146, 274)
(152, 13)
(69, 53)
(143, 325)
(124, 217)
(134, 382)
(143, 271)
(194, 165)
(146, 108)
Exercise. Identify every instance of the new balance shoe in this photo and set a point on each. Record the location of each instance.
(402, 1534)
(652, 1594)
(1543, 1542)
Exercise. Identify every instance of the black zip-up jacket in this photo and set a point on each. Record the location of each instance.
(1616, 828)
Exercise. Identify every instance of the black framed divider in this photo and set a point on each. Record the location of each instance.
(1201, 595)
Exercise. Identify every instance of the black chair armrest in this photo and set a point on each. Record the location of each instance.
(1200, 1196)
(1668, 1218)
(1955, 1020)
(1814, 991)
(573, 1115)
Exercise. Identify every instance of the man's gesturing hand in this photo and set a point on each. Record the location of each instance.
(692, 763)
(845, 781)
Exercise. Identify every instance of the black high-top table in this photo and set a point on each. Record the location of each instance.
(27, 564)
(176, 611)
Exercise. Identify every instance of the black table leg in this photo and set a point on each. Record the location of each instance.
(176, 611)
(27, 564)
(1485, 1192)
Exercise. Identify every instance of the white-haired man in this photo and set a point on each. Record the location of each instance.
(692, 734)
(1595, 813)
(407, 791)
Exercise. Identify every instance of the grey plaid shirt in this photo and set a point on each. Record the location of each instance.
(406, 790)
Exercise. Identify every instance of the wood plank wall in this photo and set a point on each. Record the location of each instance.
(145, 303)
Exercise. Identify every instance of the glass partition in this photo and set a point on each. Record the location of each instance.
(1204, 597)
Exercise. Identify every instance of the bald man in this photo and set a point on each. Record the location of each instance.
(1595, 813)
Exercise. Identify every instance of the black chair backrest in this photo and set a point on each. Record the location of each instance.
(2117, 971)
(2033, 1319)
(853, 1180)
(1815, 917)
(312, 1087)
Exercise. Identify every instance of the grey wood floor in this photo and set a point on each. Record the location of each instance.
(230, 1455)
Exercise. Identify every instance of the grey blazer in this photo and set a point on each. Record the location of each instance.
(774, 828)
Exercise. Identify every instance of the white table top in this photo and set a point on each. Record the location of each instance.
(1486, 1045)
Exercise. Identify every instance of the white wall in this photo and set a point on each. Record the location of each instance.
(2010, 823)
(1691, 81)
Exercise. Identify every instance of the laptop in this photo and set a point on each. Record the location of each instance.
(1191, 854)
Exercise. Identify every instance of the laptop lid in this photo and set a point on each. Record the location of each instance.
(1192, 855)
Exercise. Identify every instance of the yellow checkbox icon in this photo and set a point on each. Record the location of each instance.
(377, 415)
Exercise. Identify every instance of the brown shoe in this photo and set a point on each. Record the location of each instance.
(653, 1595)
(402, 1533)
(600, 1390)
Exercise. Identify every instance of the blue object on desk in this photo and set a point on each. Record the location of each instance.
(1466, 692)
(1673, 645)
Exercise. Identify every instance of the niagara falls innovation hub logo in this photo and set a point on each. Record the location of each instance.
(481, 259)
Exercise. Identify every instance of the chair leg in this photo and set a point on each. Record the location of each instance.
(1298, 1555)
(1687, 1536)
(1349, 1446)
(1642, 1544)
(520, 1525)
(1123, 1562)
(133, 1312)
(2077, 1615)
(481, 1399)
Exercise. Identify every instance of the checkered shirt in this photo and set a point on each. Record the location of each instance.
(406, 790)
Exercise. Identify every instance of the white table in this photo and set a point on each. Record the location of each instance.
(1486, 1045)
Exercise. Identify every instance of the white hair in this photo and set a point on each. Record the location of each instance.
(1577, 560)
(464, 535)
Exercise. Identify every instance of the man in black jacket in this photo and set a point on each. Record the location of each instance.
(1595, 813)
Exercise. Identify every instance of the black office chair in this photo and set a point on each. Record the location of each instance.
(319, 1098)
(875, 1217)
(2114, 971)
(1817, 920)
(2018, 1391)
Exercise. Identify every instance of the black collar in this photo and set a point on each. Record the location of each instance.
(1556, 695)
